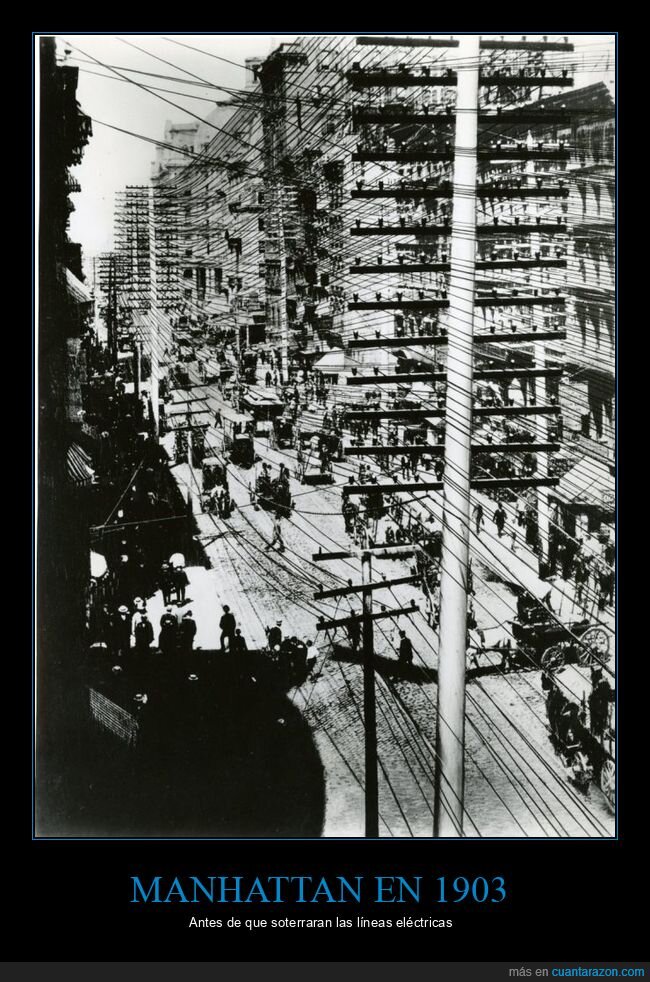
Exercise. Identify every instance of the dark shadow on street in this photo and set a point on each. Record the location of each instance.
(216, 750)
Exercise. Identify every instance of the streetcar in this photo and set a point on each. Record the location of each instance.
(237, 432)
(263, 409)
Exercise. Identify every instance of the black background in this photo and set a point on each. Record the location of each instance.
(567, 900)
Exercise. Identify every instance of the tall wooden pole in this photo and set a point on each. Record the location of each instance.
(450, 721)
(369, 704)
(284, 324)
(154, 386)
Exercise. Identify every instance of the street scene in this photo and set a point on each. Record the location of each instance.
(325, 436)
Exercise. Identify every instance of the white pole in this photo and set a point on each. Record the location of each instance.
(284, 326)
(541, 395)
(450, 722)
(153, 313)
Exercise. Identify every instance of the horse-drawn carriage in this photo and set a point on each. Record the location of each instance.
(580, 706)
(282, 432)
(274, 494)
(542, 640)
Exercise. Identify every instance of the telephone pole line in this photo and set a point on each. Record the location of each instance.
(450, 717)
(369, 703)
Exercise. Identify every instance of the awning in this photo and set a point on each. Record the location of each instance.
(335, 361)
(589, 483)
(79, 470)
(76, 290)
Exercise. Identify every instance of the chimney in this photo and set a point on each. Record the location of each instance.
(252, 64)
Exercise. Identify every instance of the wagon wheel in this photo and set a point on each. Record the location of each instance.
(608, 782)
(593, 648)
(553, 657)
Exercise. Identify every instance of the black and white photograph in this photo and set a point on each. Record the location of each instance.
(325, 436)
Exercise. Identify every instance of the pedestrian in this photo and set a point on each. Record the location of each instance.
(227, 625)
(405, 649)
(186, 633)
(122, 632)
(239, 645)
(354, 632)
(168, 637)
(499, 518)
(277, 534)
(143, 634)
(312, 655)
(166, 583)
(478, 517)
(180, 583)
(268, 379)
(274, 635)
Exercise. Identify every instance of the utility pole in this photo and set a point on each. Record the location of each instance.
(154, 390)
(111, 311)
(369, 704)
(190, 442)
(137, 371)
(450, 720)
(284, 323)
(366, 589)
(541, 426)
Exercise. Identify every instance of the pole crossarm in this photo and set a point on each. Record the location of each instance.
(380, 551)
(437, 450)
(436, 303)
(397, 414)
(443, 267)
(423, 230)
(383, 585)
(502, 374)
(431, 340)
(479, 484)
(342, 621)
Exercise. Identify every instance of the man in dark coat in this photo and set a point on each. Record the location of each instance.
(166, 583)
(239, 645)
(180, 583)
(274, 635)
(122, 632)
(499, 519)
(227, 625)
(168, 632)
(143, 633)
(186, 633)
(405, 649)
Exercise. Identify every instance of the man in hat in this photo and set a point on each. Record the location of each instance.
(277, 534)
(499, 519)
(168, 631)
(166, 583)
(274, 634)
(143, 633)
(180, 583)
(186, 633)
(227, 625)
(239, 645)
(405, 649)
(122, 632)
